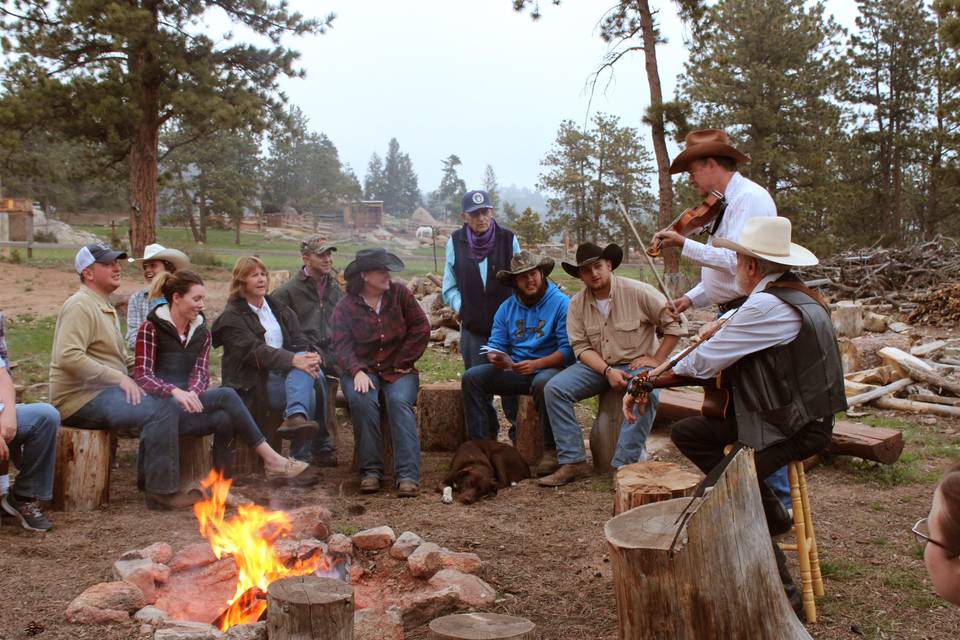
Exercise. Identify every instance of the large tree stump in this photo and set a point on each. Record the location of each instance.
(529, 434)
(713, 575)
(307, 607)
(648, 482)
(606, 430)
(81, 480)
(440, 416)
(481, 626)
(195, 460)
(847, 319)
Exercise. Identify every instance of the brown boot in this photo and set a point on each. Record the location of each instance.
(178, 501)
(567, 473)
(297, 425)
(548, 463)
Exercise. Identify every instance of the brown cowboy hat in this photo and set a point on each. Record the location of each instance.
(588, 253)
(705, 143)
(523, 262)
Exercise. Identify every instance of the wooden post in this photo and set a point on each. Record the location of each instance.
(529, 435)
(81, 480)
(440, 416)
(712, 575)
(306, 607)
(195, 460)
(488, 626)
(650, 481)
(606, 430)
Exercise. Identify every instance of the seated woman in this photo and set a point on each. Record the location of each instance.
(264, 354)
(156, 259)
(172, 352)
(941, 533)
(379, 332)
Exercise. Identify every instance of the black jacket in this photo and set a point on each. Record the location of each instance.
(300, 294)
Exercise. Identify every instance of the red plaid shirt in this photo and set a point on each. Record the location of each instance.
(380, 343)
(145, 356)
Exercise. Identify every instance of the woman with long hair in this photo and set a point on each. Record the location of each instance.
(940, 531)
(172, 357)
(156, 259)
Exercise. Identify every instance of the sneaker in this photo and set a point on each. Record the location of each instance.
(291, 469)
(27, 512)
(297, 426)
(370, 484)
(408, 489)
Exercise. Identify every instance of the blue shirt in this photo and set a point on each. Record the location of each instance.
(528, 333)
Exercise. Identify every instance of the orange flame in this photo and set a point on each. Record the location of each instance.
(249, 537)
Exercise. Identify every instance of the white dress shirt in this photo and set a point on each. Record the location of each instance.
(274, 334)
(745, 199)
(762, 322)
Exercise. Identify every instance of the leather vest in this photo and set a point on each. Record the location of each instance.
(778, 391)
(479, 305)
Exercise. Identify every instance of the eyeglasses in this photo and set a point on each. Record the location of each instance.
(921, 531)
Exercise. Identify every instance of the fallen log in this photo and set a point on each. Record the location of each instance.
(884, 374)
(917, 407)
(879, 392)
(928, 348)
(918, 369)
(863, 441)
(935, 399)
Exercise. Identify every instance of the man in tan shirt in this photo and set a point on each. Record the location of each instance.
(90, 385)
(611, 326)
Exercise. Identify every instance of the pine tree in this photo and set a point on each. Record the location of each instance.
(529, 228)
(445, 201)
(374, 184)
(492, 189)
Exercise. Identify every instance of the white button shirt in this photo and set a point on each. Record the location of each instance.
(762, 322)
(274, 334)
(745, 199)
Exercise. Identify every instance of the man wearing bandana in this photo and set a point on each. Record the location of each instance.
(475, 253)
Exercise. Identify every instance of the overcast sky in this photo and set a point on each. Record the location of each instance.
(469, 77)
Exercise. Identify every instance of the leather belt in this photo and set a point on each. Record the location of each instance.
(731, 304)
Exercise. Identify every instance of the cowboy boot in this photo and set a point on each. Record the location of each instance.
(789, 586)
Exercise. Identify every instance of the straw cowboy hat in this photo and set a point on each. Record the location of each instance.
(705, 143)
(523, 262)
(588, 253)
(373, 260)
(177, 258)
(769, 239)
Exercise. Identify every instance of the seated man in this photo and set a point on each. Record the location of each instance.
(528, 345)
(780, 362)
(612, 327)
(28, 434)
(90, 384)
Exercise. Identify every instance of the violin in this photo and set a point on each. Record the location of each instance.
(693, 219)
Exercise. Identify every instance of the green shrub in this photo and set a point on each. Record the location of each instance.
(44, 236)
(202, 257)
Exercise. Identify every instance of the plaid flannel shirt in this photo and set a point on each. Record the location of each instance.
(145, 356)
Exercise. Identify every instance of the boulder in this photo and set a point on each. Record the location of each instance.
(425, 560)
(339, 544)
(193, 555)
(187, 630)
(406, 544)
(378, 624)
(255, 631)
(151, 615)
(465, 562)
(309, 522)
(159, 552)
(471, 590)
(420, 607)
(105, 603)
(374, 539)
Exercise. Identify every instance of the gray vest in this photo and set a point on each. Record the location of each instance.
(778, 391)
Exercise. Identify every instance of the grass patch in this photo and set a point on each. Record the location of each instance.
(600, 484)
(438, 366)
(917, 593)
(840, 570)
(30, 341)
(345, 528)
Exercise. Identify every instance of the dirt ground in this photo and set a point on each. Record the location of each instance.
(543, 549)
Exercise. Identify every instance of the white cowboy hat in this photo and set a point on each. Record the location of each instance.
(769, 239)
(177, 258)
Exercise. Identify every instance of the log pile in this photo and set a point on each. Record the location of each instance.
(938, 307)
(444, 322)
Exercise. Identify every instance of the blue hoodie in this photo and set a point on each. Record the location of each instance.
(528, 333)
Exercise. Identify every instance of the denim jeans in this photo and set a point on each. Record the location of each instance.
(158, 460)
(226, 417)
(481, 381)
(400, 395)
(470, 344)
(576, 383)
(295, 392)
(34, 449)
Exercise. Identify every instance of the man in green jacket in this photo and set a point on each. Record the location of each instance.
(312, 294)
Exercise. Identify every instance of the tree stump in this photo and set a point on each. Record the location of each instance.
(481, 626)
(81, 480)
(307, 607)
(648, 482)
(713, 575)
(529, 435)
(332, 385)
(245, 460)
(847, 319)
(606, 430)
(195, 460)
(440, 416)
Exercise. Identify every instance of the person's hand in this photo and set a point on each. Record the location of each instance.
(668, 239)
(189, 401)
(309, 363)
(498, 360)
(632, 405)
(526, 367)
(132, 392)
(680, 305)
(643, 361)
(8, 427)
(362, 382)
(708, 329)
(617, 379)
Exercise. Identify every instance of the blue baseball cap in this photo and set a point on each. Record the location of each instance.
(474, 201)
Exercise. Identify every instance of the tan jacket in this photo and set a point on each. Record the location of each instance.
(636, 310)
(89, 354)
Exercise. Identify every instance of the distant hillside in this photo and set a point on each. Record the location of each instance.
(522, 197)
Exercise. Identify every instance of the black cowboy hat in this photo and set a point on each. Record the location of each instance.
(373, 260)
(588, 253)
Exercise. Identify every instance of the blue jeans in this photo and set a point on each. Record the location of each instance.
(400, 395)
(226, 417)
(576, 383)
(158, 459)
(485, 379)
(34, 449)
(470, 344)
(295, 392)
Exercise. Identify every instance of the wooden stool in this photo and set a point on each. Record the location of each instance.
(332, 386)
(195, 460)
(646, 482)
(606, 430)
(529, 434)
(805, 544)
(440, 416)
(488, 626)
(81, 480)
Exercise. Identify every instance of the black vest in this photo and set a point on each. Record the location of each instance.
(174, 360)
(479, 305)
(778, 391)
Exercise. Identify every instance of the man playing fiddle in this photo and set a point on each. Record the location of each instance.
(779, 361)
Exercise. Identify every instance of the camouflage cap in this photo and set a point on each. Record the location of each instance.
(315, 244)
(523, 262)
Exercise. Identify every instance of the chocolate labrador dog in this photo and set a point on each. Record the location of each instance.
(480, 467)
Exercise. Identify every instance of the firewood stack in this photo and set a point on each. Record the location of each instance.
(444, 323)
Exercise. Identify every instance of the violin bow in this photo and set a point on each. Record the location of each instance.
(663, 285)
